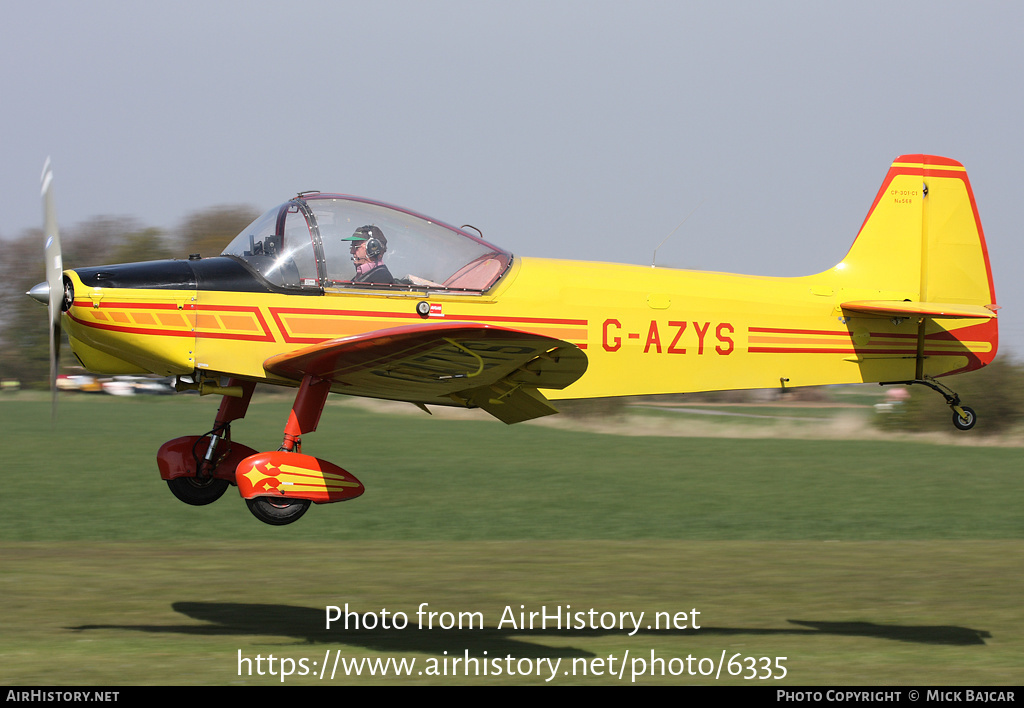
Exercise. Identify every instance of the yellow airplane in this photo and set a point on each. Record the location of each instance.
(337, 293)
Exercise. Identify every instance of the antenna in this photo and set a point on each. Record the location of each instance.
(654, 258)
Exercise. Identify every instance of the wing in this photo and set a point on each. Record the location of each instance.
(903, 308)
(444, 363)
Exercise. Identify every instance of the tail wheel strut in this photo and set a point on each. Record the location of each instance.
(964, 417)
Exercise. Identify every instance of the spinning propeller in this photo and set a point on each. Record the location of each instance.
(52, 291)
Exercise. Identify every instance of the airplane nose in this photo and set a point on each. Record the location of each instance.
(40, 293)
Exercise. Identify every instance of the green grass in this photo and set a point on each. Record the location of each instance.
(859, 613)
(95, 478)
(863, 562)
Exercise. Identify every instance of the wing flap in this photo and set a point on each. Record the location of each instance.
(903, 308)
(510, 404)
(443, 363)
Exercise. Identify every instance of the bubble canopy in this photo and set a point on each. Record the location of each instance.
(311, 242)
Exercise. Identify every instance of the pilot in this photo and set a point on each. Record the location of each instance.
(368, 248)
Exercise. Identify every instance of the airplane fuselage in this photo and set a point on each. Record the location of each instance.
(644, 330)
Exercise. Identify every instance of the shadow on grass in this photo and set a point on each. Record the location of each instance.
(308, 625)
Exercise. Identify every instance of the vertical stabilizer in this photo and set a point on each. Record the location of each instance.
(922, 239)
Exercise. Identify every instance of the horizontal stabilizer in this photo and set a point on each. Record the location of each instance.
(903, 308)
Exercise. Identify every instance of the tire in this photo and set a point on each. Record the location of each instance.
(277, 511)
(967, 421)
(197, 492)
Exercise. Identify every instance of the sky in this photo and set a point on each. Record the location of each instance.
(584, 130)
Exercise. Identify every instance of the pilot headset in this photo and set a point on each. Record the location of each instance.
(376, 243)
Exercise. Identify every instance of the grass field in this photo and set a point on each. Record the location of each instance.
(860, 561)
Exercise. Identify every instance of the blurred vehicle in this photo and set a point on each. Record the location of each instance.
(141, 385)
(119, 386)
(79, 382)
(148, 385)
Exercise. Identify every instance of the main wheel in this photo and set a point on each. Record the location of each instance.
(965, 421)
(277, 511)
(197, 492)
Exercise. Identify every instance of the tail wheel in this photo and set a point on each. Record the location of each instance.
(277, 511)
(197, 492)
(965, 421)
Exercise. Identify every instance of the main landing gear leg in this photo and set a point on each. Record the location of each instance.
(231, 408)
(305, 415)
(199, 468)
(964, 417)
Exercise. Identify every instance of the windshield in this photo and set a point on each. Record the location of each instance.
(330, 242)
(279, 246)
